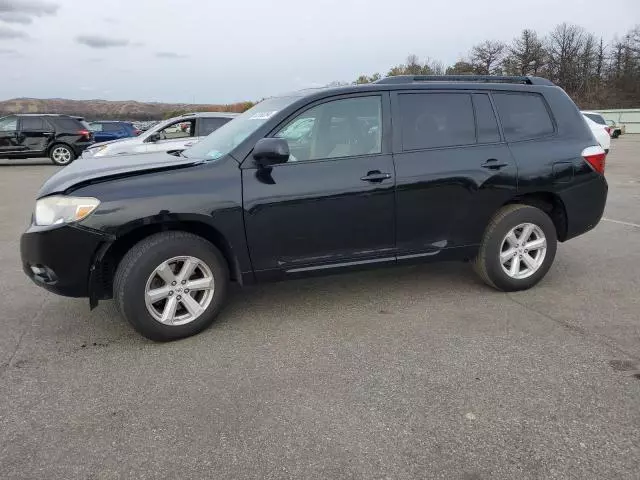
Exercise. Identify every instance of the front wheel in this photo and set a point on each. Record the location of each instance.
(62, 155)
(171, 285)
(517, 249)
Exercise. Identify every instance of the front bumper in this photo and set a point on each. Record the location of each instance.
(60, 258)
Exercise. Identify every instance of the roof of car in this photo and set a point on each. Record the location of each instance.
(210, 114)
(431, 82)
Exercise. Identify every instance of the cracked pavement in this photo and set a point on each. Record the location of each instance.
(416, 372)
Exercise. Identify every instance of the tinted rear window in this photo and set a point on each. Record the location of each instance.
(523, 115)
(596, 118)
(430, 120)
(33, 124)
(68, 124)
(208, 125)
(485, 119)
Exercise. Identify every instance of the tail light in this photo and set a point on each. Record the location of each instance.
(595, 156)
(137, 132)
(608, 129)
(85, 133)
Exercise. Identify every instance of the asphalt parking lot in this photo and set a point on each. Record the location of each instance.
(418, 372)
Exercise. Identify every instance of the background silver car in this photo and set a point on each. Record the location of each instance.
(174, 134)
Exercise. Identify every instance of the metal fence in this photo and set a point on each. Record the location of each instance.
(630, 118)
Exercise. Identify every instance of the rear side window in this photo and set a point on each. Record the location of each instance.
(523, 115)
(33, 124)
(68, 124)
(485, 119)
(430, 120)
(208, 125)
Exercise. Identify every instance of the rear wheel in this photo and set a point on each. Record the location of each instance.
(171, 285)
(517, 249)
(61, 154)
(616, 133)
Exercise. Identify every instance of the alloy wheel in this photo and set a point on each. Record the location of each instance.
(523, 250)
(179, 290)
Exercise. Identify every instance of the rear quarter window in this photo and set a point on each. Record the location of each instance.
(524, 116)
(68, 124)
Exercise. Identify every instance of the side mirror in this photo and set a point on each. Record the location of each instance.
(270, 151)
(154, 137)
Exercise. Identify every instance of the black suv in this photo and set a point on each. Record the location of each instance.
(494, 170)
(62, 138)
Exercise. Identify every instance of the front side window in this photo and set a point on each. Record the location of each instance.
(180, 129)
(524, 116)
(433, 120)
(339, 128)
(8, 124)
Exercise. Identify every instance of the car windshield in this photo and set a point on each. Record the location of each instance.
(226, 138)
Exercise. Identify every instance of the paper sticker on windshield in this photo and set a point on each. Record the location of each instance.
(262, 115)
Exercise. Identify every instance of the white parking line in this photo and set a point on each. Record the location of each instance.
(629, 224)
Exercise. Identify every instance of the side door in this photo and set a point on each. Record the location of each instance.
(330, 205)
(453, 169)
(34, 134)
(8, 135)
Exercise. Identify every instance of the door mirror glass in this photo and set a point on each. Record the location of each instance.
(155, 137)
(270, 151)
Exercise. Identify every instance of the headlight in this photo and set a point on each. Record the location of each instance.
(59, 209)
(99, 151)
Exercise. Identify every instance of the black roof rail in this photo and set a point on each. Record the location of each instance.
(526, 80)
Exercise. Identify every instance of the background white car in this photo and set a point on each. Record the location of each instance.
(601, 132)
(176, 133)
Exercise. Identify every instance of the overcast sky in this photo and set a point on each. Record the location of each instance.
(215, 51)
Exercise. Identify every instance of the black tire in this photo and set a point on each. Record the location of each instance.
(487, 263)
(139, 263)
(616, 133)
(56, 159)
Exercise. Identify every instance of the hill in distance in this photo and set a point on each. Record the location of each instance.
(105, 109)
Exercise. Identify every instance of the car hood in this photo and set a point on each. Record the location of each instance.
(84, 171)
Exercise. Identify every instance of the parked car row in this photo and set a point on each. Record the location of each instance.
(63, 138)
(404, 170)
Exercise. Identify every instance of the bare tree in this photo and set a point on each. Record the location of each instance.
(526, 55)
(564, 46)
(486, 57)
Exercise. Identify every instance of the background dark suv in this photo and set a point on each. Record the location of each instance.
(62, 138)
(495, 171)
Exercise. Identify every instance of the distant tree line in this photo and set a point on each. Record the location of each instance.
(595, 73)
